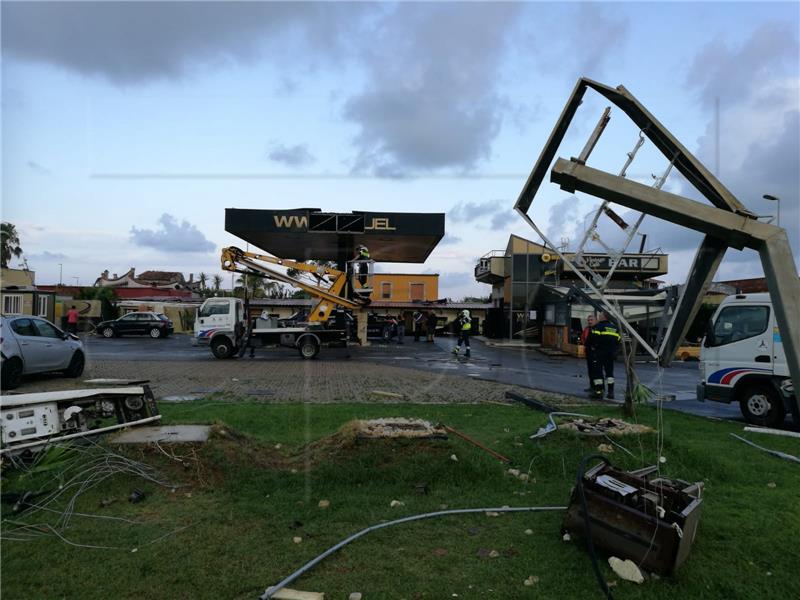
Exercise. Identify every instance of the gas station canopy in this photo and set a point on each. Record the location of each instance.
(310, 234)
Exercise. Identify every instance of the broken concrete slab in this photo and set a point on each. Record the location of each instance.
(397, 427)
(290, 594)
(179, 434)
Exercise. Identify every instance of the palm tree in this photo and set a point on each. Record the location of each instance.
(202, 278)
(255, 285)
(217, 279)
(10, 243)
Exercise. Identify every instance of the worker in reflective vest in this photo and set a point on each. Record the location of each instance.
(603, 343)
(362, 253)
(464, 324)
(590, 323)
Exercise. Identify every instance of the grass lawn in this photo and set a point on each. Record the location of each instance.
(243, 500)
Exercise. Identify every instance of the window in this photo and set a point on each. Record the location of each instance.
(520, 266)
(129, 317)
(45, 329)
(23, 327)
(737, 323)
(417, 291)
(214, 308)
(12, 304)
(386, 290)
(43, 302)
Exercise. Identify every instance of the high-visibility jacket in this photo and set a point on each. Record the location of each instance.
(363, 255)
(466, 324)
(604, 338)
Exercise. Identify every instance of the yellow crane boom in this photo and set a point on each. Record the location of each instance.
(328, 296)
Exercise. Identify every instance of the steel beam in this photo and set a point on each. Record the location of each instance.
(701, 274)
(738, 230)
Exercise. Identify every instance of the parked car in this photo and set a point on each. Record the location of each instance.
(35, 345)
(153, 324)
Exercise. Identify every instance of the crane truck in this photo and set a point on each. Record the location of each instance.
(224, 325)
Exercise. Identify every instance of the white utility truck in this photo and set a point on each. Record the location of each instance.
(743, 360)
(222, 325)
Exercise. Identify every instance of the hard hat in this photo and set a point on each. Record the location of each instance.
(465, 313)
(361, 248)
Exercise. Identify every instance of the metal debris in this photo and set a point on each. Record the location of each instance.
(605, 426)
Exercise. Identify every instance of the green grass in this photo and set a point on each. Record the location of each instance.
(241, 504)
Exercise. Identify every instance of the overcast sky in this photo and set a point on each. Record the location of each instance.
(128, 128)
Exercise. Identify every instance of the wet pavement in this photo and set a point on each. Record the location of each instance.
(519, 367)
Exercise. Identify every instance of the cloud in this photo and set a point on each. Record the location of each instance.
(431, 99)
(47, 256)
(594, 34)
(292, 156)
(172, 236)
(720, 70)
(563, 216)
(503, 218)
(37, 168)
(457, 285)
(449, 238)
(468, 212)
(133, 42)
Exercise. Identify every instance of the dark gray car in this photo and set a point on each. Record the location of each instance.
(153, 324)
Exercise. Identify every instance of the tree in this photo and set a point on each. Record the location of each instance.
(10, 243)
(217, 279)
(202, 278)
(256, 286)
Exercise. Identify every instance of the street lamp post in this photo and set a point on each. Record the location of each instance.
(77, 281)
(774, 199)
(60, 272)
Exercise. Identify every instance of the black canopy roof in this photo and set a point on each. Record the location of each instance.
(310, 234)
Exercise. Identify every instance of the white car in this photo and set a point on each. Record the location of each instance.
(35, 345)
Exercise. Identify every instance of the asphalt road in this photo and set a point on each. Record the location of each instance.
(520, 367)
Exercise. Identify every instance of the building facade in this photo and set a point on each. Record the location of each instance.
(534, 295)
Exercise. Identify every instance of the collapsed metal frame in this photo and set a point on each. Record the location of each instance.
(726, 224)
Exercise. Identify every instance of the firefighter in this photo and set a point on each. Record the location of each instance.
(362, 254)
(464, 324)
(590, 323)
(603, 341)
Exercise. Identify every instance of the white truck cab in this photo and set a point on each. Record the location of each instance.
(743, 360)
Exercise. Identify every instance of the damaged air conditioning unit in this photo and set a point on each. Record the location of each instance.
(30, 421)
(649, 521)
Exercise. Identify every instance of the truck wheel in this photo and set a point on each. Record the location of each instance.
(76, 365)
(308, 347)
(222, 347)
(761, 406)
(12, 373)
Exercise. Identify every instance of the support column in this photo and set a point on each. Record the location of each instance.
(784, 291)
(705, 265)
(362, 316)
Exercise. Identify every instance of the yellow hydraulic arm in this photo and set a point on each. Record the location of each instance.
(234, 259)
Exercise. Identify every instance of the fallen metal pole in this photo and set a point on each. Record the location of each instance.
(458, 511)
(777, 453)
(476, 443)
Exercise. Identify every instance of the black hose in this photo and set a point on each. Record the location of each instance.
(601, 581)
